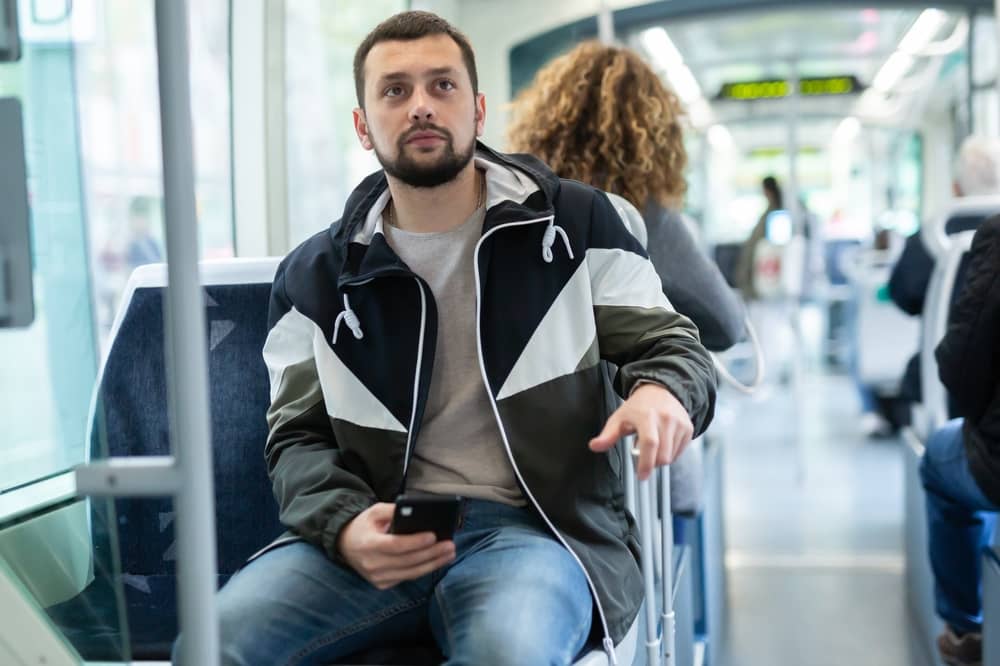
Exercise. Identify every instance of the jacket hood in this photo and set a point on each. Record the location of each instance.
(511, 182)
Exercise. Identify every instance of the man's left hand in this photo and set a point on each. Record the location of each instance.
(660, 422)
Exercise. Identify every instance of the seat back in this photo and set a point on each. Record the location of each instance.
(130, 416)
(948, 251)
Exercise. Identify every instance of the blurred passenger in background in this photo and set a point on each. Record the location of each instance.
(961, 466)
(600, 115)
(745, 264)
(865, 267)
(976, 173)
(142, 248)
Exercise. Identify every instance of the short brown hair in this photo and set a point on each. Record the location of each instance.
(407, 26)
(601, 115)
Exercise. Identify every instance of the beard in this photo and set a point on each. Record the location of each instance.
(415, 174)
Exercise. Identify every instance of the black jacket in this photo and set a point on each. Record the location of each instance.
(969, 358)
(908, 284)
(350, 355)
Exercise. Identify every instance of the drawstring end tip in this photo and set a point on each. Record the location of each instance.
(609, 648)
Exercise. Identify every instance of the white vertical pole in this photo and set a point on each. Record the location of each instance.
(187, 358)
(791, 204)
(605, 24)
(792, 146)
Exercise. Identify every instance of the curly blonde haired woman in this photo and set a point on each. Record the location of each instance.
(600, 115)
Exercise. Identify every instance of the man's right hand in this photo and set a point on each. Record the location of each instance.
(385, 559)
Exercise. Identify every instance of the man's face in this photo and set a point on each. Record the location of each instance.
(421, 116)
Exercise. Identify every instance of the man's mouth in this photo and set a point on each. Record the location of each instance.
(424, 138)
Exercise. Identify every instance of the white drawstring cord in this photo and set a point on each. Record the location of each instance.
(550, 238)
(352, 322)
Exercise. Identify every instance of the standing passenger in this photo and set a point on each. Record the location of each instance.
(745, 263)
(445, 336)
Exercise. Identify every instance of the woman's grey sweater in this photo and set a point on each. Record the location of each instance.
(691, 281)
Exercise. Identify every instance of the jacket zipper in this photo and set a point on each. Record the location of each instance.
(608, 644)
(420, 353)
(416, 378)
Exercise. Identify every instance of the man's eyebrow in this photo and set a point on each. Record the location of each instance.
(405, 76)
(441, 71)
(394, 76)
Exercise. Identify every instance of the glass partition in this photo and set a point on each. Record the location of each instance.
(57, 553)
(64, 561)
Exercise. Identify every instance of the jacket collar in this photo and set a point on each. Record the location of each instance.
(518, 187)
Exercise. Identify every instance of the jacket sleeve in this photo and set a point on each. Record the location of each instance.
(968, 357)
(692, 282)
(637, 328)
(911, 276)
(317, 494)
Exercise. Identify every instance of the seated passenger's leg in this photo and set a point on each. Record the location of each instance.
(957, 526)
(514, 597)
(293, 605)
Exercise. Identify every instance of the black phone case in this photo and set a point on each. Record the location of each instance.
(426, 514)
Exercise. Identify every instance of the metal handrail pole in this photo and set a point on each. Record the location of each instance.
(647, 537)
(187, 356)
(667, 539)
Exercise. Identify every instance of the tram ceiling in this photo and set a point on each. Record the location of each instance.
(628, 18)
(733, 62)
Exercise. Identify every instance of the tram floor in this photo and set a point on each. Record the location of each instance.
(814, 516)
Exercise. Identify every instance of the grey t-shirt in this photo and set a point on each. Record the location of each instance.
(459, 450)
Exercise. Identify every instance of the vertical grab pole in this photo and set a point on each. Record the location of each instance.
(187, 358)
(667, 539)
(647, 537)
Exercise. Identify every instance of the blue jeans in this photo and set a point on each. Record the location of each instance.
(513, 595)
(960, 523)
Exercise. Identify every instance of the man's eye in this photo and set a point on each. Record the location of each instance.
(445, 84)
(394, 91)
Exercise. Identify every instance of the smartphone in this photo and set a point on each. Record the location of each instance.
(427, 513)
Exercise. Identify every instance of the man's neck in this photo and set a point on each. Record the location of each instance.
(432, 209)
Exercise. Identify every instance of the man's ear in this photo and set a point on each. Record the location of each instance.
(480, 114)
(361, 127)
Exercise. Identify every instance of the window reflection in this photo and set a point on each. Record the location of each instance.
(325, 161)
(116, 72)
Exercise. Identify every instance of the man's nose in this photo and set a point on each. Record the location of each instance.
(421, 111)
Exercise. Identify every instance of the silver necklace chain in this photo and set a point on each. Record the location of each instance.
(391, 214)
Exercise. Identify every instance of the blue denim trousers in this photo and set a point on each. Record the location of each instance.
(960, 522)
(513, 595)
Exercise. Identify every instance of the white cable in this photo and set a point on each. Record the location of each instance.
(758, 355)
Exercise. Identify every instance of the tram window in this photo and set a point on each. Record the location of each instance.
(116, 71)
(325, 161)
(87, 84)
